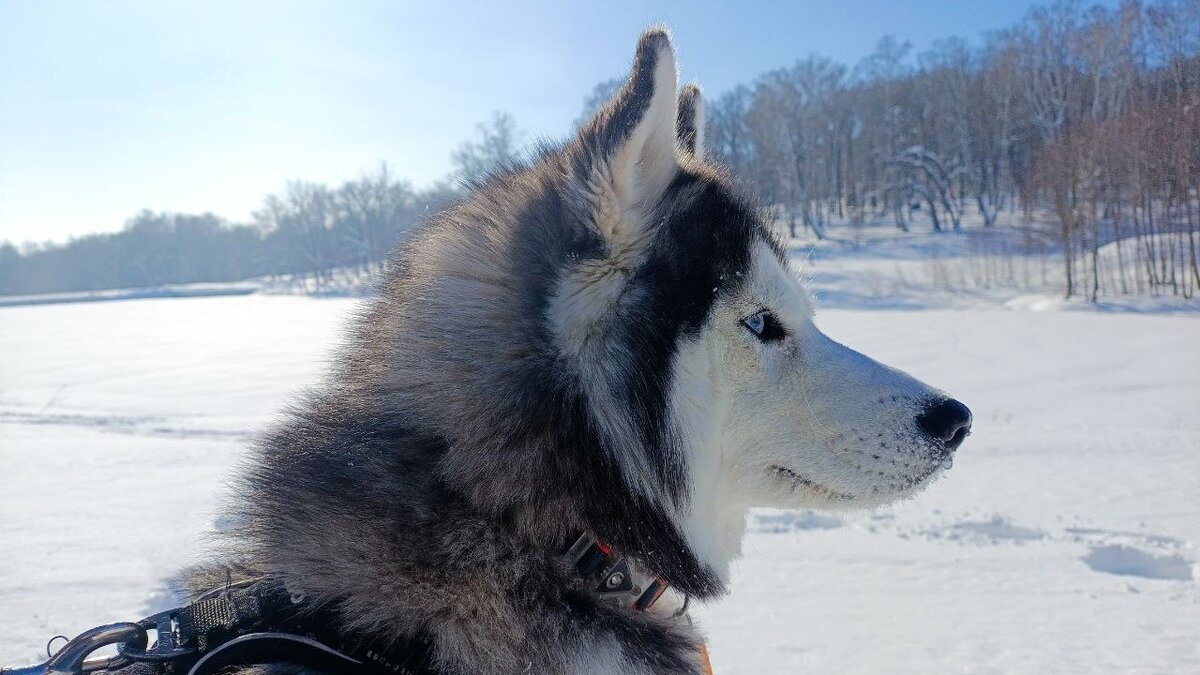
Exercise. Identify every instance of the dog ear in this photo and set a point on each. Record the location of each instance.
(627, 153)
(689, 122)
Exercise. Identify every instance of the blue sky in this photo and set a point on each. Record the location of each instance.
(110, 107)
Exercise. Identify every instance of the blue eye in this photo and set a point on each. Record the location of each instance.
(765, 326)
(755, 323)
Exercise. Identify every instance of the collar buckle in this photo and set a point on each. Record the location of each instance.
(617, 579)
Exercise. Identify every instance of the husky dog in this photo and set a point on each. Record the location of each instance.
(606, 340)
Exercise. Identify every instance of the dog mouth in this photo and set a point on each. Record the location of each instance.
(799, 481)
(925, 476)
(915, 483)
(896, 486)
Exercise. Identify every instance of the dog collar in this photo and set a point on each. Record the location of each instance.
(620, 583)
(617, 580)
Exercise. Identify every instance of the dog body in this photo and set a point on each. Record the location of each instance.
(605, 341)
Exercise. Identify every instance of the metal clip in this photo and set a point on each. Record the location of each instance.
(166, 645)
(73, 659)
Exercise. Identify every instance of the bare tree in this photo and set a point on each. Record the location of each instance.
(727, 134)
(497, 144)
(1078, 125)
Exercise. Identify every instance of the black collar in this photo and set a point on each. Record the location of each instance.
(618, 580)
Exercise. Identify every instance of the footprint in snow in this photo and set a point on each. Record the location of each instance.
(1128, 561)
(996, 530)
(999, 529)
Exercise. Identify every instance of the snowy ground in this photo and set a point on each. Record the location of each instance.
(1063, 540)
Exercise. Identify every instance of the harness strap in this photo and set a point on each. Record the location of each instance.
(208, 619)
(257, 649)
(259, 623)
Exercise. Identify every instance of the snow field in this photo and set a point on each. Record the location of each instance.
(1062, 541)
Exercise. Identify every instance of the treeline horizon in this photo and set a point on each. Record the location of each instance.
(307, 231)
(1089, 114)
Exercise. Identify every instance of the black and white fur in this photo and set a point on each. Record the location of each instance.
(606, 340)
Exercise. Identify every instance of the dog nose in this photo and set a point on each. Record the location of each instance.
(948, 421)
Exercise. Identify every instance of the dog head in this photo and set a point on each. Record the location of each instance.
(612, 333)
(763, 409)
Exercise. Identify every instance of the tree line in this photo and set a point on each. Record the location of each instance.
(1090, 115)
(304, 233)
(1079, 125)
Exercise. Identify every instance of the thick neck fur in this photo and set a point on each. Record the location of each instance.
(349, 508)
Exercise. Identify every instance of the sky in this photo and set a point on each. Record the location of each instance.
(108, 108)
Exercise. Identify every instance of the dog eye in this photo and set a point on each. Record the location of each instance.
(765, 326)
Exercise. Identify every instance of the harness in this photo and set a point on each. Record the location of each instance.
(260, 621)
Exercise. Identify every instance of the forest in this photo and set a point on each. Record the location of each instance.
(1077, 129)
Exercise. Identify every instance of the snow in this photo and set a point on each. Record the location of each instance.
(1062, 541)
(1117, 559)
(879, 267)
(167, 291)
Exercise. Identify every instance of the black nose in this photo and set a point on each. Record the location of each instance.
(948, 421)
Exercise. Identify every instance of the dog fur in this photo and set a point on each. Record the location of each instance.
(572, 348)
